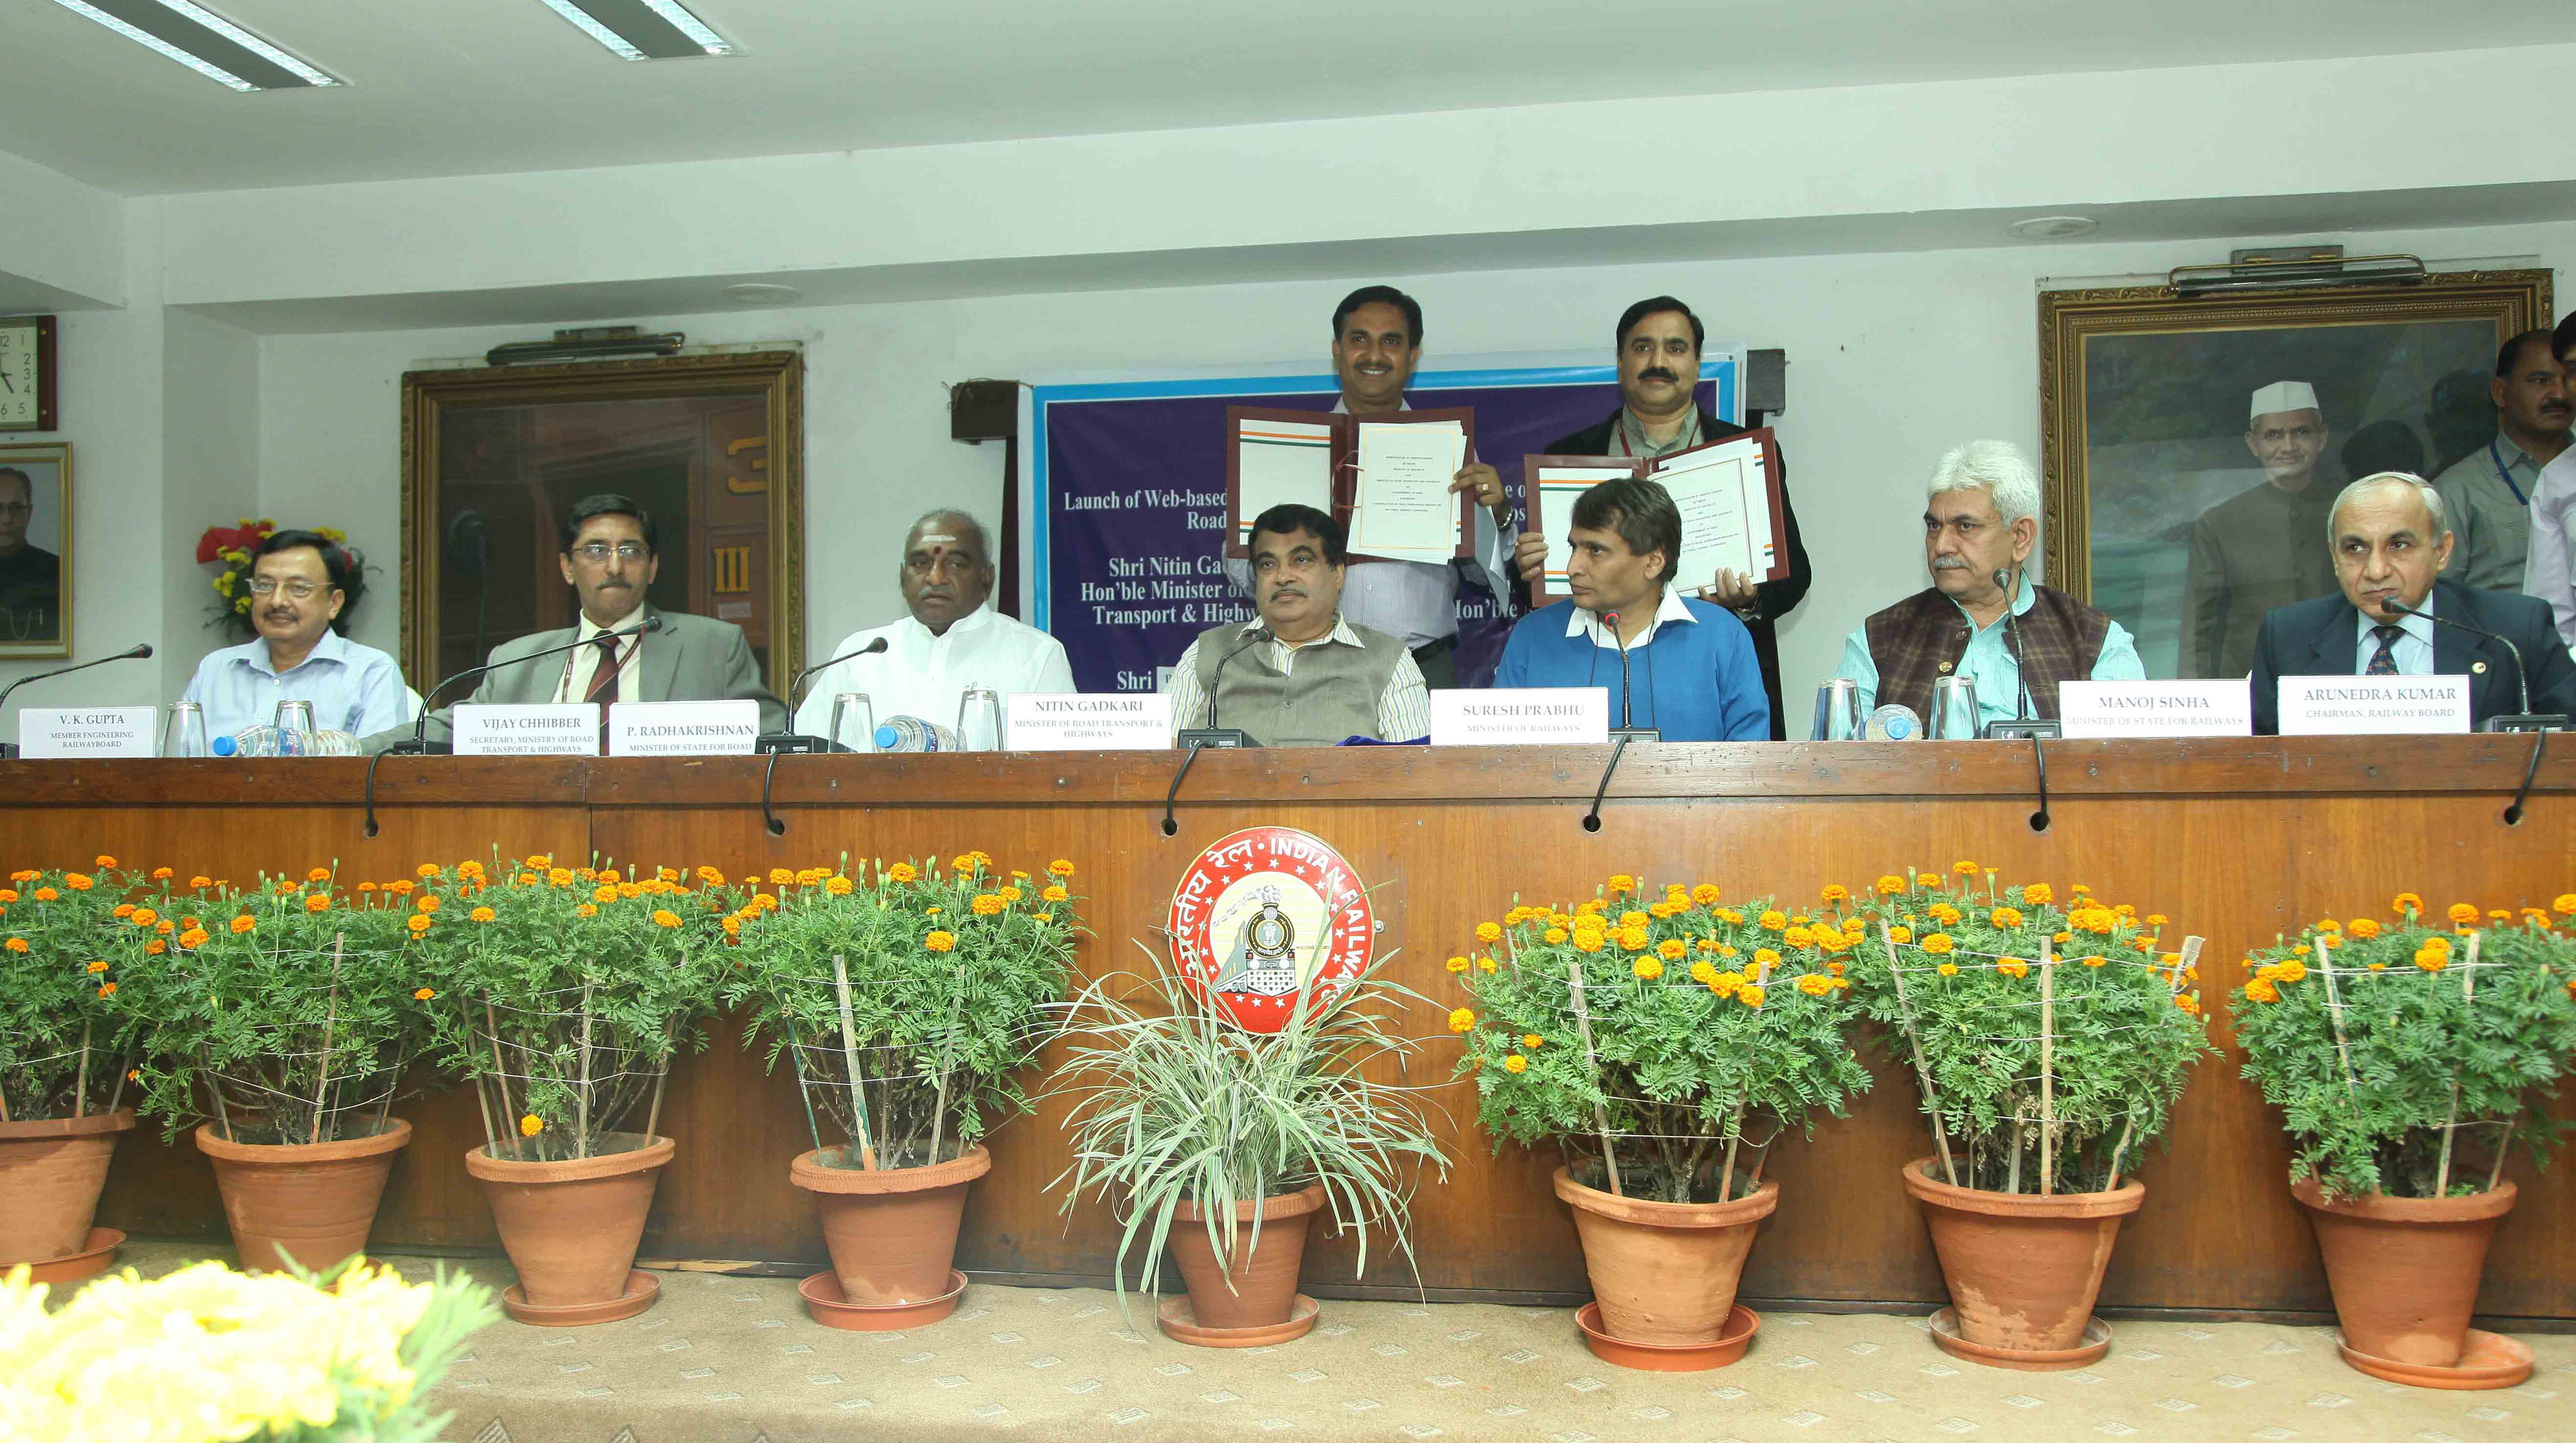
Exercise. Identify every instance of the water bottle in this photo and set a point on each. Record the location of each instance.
(912, 734)
(271, 741)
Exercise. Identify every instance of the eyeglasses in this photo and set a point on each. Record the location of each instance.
(596, 552)
(299, 588)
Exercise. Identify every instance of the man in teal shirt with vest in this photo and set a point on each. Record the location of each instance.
(1980, 521)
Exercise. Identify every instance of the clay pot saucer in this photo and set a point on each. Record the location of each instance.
(1181, 1325)
(2491, 1361)
(1736, 1336)
(98, 1253)
(642, 1291)
(2097, 1341)
(826, 1304)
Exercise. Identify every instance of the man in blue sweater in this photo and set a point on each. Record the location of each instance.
(1693, 675)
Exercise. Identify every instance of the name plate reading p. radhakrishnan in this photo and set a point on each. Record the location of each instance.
(1520, 716)
(2156, 708)
(88, 731)
(2329, 706)
(683, 728)
(1075, 722)
(493, 730)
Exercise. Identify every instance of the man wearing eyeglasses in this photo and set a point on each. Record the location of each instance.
(301, 582)
(31, 578)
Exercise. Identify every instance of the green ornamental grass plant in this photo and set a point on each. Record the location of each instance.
(62, 1035)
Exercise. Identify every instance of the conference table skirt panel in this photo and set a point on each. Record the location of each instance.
(2237, 840)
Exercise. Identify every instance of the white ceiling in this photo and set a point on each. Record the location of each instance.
(452, 87)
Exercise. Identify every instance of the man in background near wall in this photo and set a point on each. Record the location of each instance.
(304, 590)
(2488, 491)
(2258, 549)
(1658, 343)
(2549, 572)
(31, 578)
(1377, 342)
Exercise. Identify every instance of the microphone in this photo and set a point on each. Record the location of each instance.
(140, 652)
(801, 742)
(2023, 726)
(2523, 721)
(419, 745)
(1623, 731)
(1213, 735)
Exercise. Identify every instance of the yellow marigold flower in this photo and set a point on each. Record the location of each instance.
(1765, 957)
(1649, 968)
(1815, 984)
(2564, 904)
(1489, 932)
(1730, 916)
(480, 914)
(1836, 892)
(1515, 1064)
(2259, 990)
(1621, 882)
(662, 918)
(2432, 961)
(940, 941)
(1774, 921)
(1724, 983)
(1702, 972)
(1750, 994)
(2187, 1003)
(1462, 1020)
(1799, 937)
(2460, 913)
(1587, 941)
(1945, 914)
(1890, 884)
(1060, 867)
(2126, 910)
(926, 911)
(1706, 894)
(1725, 949)
(1949, 969)
(902, 872)
(2007, 916)
(2013, 967)
(1457, 964)
(837, 886)
(1055, 894)
(1532, 1041)
(1553, 935)
(732, 924)
(1008, 895)
(2292, 970)
(1671, 949)
(1635, 939)
(243, 923)
(1938, 943)
(985, 904)
(1964, 869)
(1663, 911)
(2156, 919)
(1485, 964)
(1633, 918)
(1043, 916)
(2330, 927)
(531, 1125)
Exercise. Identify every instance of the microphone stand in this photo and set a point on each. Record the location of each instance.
(140, 652)
(1197, 739)
(1624, 732)
(2525, 720)
(2023, 726)
(799, 742)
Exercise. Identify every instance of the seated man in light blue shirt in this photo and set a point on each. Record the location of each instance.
(301, 582)
(1980, 521)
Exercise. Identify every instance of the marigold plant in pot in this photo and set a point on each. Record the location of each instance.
(1664, 1045)
(63, 1074)
(562, 994)
(2408, 1059)
(2050, 1041)
(279, 1019)
(909, 1000)
(1222, 1146)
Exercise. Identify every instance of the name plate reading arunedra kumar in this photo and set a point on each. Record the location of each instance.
(1074, 722)
(2326, 706)
(87, 731)
(2156, 708)
(683, 728)
(491, 730)
(1521, 716)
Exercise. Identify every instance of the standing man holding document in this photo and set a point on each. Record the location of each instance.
(1659, 343)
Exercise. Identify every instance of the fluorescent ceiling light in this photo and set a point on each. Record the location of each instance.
(203, 41)
(643, 29)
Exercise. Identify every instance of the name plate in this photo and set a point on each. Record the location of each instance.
(683, 728)
(1520, 716)
(491, 730)
(2327, 706)
(2156, 708)
(1139, 721)
(88, 731)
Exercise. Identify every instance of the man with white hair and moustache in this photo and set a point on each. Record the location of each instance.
(2257, 550)
(1980, 521)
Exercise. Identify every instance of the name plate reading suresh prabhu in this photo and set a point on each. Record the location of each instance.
(2156, 708)
(683, 728)
(1103, 722)
(87, 731)
(1520, 716)
(2326, 706)
(493, 730)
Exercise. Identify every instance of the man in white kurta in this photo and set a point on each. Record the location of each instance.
(952, 640)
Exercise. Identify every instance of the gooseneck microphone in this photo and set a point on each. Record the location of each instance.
(139, 652)
(2023, 724)
(419, 743)
(796, 685)
(1623, 730)
(2523, 721)
(795, 741)
(1213, 735)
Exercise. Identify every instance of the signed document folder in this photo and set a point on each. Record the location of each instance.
(1386, 477)
(1728, 493)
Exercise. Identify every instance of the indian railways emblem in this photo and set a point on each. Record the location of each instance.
(1264, 912)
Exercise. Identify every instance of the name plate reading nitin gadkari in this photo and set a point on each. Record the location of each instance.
(2156, 708)
(491, 730)
(1521, 716)
(1076, 722)
(683, 728)
(88, 731)
(2327, 706)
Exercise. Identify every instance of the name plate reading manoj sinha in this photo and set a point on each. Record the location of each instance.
(2156, 708)
(1074, 722)
(490, 730)
(2326, 706)
(683, 728)
(1520, 716)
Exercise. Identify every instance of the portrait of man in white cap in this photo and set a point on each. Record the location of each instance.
(2257, 550)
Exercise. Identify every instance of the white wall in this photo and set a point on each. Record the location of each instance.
(211, 421)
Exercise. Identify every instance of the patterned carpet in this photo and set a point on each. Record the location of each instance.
(734, 1360)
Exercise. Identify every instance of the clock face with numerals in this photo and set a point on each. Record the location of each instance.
(26, 373)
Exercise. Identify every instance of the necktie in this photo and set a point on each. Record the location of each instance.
(2383, 662)
(603, 683)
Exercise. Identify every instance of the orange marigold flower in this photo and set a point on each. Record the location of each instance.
(16, 944)
(104, 862)
(1649, 968)
(1750, 994)
(836, 886)
(1671, 949)
(1054, 894)
(419, 923)
(480, 914)
(2363, 928)
(1633, 918)
(1634, 938)
(2460, 913)
(2564, 904)
(1799, 937)
(531, 1125)
(1773, 921)
(425, 870)
(1964, 869)
(1050, 916)
(400, 888)
(193, 938)
(985, 904)
(162, 874)
(107, 989)
(603, 893)
(732, 925)
(2258, 990)
(2432, 961)
(1837, 892)
(46, 894)
(1621, 883)
(2007, 917)
(1462, 1020)
(1515, 1064)
(1949, 969)
(902, 872)
(2013, 967)
(1060, 867)
(940, 941)
(662, 918)
(1938, 943)
(1489, 932)
(2038, 894)
(1890, 884)
(2187, 1003)
(1900, 935)
(2405, 903)
(243, 923)
(781, 877)
(366, 886)
(155, 947)
(318, 874)
(1815, 984)
(318, 902)
(423, 994)
(77, 882)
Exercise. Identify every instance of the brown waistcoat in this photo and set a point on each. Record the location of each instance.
(1920, 639)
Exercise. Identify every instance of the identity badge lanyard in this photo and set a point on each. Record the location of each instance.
(2505, 474)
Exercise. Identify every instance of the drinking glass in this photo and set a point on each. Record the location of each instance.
(979, 720)
(183, 734)
(854, 722)
(1954, 710)
(295, 719)
(1837, 711)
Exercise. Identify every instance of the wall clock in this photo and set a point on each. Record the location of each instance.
(27, 373)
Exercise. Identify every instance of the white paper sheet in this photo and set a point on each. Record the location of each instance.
(1404, 509)
(1724, 497)
(1282, 463)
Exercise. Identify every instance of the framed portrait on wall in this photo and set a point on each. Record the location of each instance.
(495, 457)
(2193, 447)
(36, 550)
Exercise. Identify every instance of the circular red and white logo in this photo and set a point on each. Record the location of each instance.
(1264, 912)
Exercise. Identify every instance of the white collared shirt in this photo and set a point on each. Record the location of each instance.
(926, 676)
(2413, 651)
(1403, 709)
(584, 665)
(1670, 609)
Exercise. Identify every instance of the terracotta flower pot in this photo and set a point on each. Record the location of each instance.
(571, 1228)
(313, 1202)
(1264, 1278)
(51, 1172)
(1664, 1273)
(2023, 1270)
(892, 1231)
(2404, 1271)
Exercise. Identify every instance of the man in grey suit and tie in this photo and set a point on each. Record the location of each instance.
(609, 558)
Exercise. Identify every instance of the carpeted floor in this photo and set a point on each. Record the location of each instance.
(732, 1360)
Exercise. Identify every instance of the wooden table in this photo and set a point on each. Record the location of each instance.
(2236, 840)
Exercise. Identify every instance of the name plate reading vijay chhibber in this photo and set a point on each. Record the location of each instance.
(2156, 708)
(2329, 706)
(88, 731)
(1520, 716)
(493, 730)
(1074, 722)
(683, 728)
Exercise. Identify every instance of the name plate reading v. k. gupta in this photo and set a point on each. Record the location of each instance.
(87, 731)
(2156, 708)
(1098, 722)
(1520, 716)
(495, 730)
(2325, 706)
